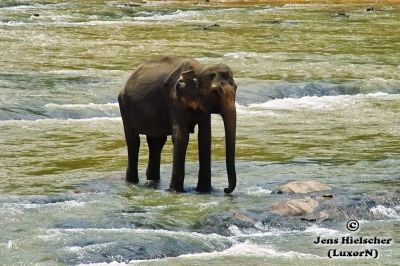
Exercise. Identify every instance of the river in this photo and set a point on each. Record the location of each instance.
(318, 98)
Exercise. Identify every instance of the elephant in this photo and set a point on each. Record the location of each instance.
(170, 96)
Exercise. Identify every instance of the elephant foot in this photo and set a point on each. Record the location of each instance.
(173, 190)
(153, 176)
(177, 189)
(204, 190)
(153, 184)
(176, 184)
(131, 178)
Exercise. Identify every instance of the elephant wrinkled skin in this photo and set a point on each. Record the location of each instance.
(170, 96)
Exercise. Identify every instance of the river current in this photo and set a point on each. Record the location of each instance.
(318, 99)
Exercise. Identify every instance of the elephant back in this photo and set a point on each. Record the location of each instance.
(147, 98)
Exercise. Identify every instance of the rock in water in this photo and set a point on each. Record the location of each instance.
(295, 207)
(207, 27)
(302, 187)
(341, 14)
(243, 217)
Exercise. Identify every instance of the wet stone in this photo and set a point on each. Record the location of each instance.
(243, 217)
(211, 26)
(302, 187)
(341, 15)
(295, 207)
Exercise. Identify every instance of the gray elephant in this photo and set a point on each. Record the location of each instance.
(170, 96)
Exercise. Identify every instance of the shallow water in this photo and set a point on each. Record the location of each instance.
(318, 98)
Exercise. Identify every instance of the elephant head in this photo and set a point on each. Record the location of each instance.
(213, 90)
(217, 94)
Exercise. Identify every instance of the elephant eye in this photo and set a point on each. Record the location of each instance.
(225, 75)
(212, 75)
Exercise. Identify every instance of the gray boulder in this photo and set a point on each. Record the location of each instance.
(302, 187)
(295, 207)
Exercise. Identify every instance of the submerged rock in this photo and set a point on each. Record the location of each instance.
(215, 25)
(306, 186)
(295, 207)
(133, 4)
(329, 210)
(341, 15)
(243, 217)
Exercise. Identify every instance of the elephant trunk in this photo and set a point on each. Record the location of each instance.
(229, 118)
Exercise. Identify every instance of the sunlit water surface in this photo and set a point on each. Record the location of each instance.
(318, 98)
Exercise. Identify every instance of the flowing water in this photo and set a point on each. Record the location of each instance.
(318, 98)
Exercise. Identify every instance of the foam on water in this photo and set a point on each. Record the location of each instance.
(186, 15)
(308, 102)
(123, 22)
(57, 121)
(88, 72)
(18, 207)
(25, 7)
(93, 106)
(10, 244)
(321, 231)
(141, 18)
(320, 103)
(17, 211)
(258, 191)
(62, 23)
(250, 249)
(248, 111)
(243, 249)
(113, 263)
(241, 55)
(313, 103)
(110, 111)
(175, 16)
(381, 211)
(162, 232)
(208, 204)
(260, 230)
(302, 6)
(199, 16)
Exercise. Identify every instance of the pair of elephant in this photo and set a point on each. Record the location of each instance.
(170, 96)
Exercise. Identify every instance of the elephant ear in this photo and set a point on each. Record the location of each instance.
(185, 83)
(187, 86)
(172, 80)
(188, 75)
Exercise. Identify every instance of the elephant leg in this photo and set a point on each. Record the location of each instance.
(133, 143)
(180, 139)
(204, 144)
(155, 148)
